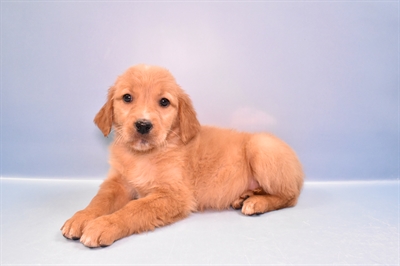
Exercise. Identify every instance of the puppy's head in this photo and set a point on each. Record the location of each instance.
(148, 109)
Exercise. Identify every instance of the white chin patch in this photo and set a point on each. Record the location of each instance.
(142, 145)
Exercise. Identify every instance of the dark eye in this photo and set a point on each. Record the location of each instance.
(164, 102)
(127, 98)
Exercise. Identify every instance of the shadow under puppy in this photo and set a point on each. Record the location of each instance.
(164, 165)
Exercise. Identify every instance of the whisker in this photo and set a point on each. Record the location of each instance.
(176, 134)
(118, 136)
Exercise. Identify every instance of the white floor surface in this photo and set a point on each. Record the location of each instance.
(354, 223)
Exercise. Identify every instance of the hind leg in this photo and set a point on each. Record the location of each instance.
(258, 204)
(276, 169)
(238, 203)
(257, 201)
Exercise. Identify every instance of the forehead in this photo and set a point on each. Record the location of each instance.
(152, 80)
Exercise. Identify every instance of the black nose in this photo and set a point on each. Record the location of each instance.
(143, 126)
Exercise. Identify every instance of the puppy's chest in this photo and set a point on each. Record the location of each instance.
(140, 172)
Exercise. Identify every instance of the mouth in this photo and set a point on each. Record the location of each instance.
(135, 141)
(142, 144)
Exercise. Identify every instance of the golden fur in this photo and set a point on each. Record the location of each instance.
(177, 167)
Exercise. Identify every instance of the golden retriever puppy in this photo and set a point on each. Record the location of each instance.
(164, 165)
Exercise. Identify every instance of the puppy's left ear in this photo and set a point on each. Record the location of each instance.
(188, 123)
(104, 118)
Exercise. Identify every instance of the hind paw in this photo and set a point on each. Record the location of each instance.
(238, 203)
(254, 205)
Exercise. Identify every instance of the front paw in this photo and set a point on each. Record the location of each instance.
(73, 228)
(101, 232)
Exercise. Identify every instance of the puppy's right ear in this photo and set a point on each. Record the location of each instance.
(104, 118)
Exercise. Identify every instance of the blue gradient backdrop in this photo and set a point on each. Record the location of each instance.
(321, 75)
